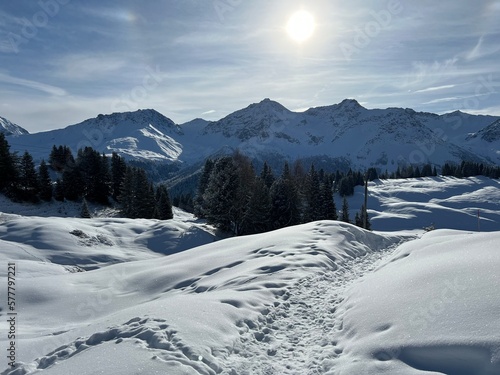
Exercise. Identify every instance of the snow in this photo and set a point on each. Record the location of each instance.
(10, 128)
(447, 309)
(118, 296)
(382, 138)
(444, 202)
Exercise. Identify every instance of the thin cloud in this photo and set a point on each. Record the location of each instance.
(436, 88)
(209, 112)
(443, 100)
(53, 90)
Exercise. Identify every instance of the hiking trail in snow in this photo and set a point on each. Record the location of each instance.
(300, 334)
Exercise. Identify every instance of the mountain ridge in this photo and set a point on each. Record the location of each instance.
(346, 131)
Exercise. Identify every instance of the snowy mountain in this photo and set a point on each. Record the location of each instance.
(9, 128)
(142, 135)
(342, 135)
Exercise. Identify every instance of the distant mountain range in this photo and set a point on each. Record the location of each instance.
(344, 135)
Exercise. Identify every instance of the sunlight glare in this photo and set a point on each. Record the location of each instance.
(300, 26)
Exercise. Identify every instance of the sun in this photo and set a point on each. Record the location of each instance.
(300, 26)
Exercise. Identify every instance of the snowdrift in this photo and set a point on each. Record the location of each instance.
(181, 314)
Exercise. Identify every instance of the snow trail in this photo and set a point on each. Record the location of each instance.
(299, 335)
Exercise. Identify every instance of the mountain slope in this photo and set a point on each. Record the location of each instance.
(486, 141)
(142, 135)
(9, 128)
(344, 135)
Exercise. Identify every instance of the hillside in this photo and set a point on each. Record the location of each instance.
(321, 298)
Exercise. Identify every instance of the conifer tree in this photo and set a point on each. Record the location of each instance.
(8, 170)
(44, 182)
(199, 202)
(267, 175)
(84, 212)
(118, 169)
(59, 191)
(345, 211)
(257, 213)
(127, 193)
(313, 200)
(163, 205)
(328, 209)
(360, 219)
(284, 201)
(28, 179)
(220, 194)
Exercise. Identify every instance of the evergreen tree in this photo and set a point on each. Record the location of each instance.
(257, 214)
(61, 158)
(44, 182)
(313, 199)
(345, 211)
(221, 193)
(118, 170)
(84, 212)
(163, 205)
(72, 183)
(59, 191)
(284, 201)
(28, 180)
(127, 193)
(199, 203)
(95, 175)
(144, 199)
(267, 175)
(327, 208)
(360, 219)
(426, 170)
(8, 170)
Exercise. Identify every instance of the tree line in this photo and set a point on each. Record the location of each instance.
(91, 176)
(233, 197)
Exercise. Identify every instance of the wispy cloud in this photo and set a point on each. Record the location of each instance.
(49, 89)
(84, 66)
(435, 88)
(443, 100)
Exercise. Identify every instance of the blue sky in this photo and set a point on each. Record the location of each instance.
(63, 61)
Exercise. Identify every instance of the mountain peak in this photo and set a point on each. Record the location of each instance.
(350, 103)
(9, 128)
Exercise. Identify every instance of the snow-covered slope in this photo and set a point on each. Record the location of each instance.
(442, 202)
(432, 308)
(486, 141)
(9, 128)
(345, 131)
(320, 298)
(344, 134)
(181, 314)
(142, 135)
(91, 243)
